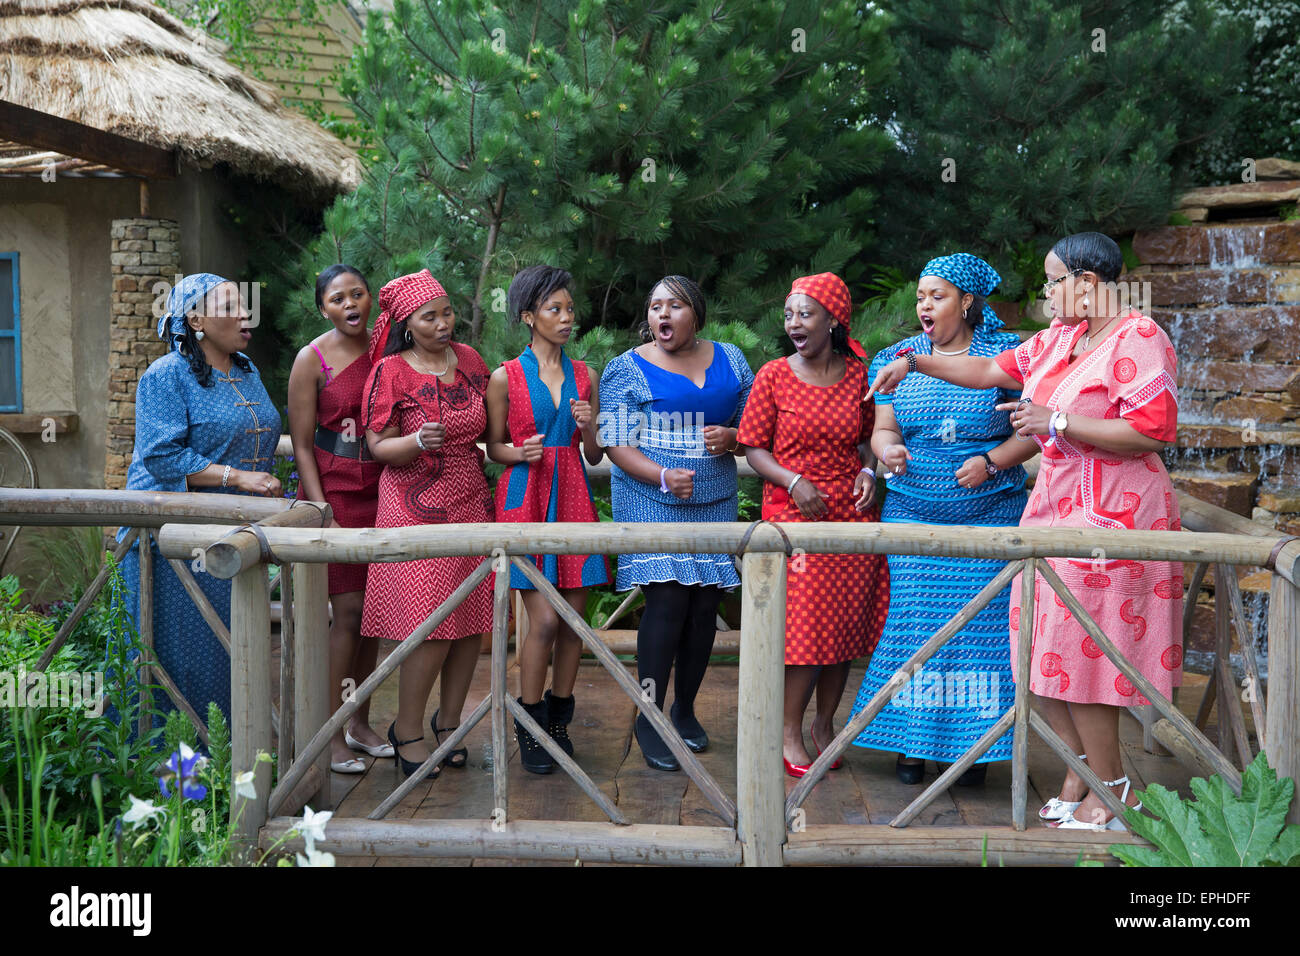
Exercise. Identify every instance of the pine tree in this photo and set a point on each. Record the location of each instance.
(1020, 121)
(621, 140)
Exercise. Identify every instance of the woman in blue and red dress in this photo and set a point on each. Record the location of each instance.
(334, 463)
(543, 403)
(424, 417)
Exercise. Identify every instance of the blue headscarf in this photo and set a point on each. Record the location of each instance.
(969, 274)
(185, 295)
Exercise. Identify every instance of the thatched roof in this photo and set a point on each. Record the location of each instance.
(129, 67)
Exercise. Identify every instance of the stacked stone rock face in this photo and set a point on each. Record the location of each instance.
(1227, 290)
(145, 254)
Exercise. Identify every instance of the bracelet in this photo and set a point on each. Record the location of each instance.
(793, 481)
(1051, 426)
(910, 355)
(225, 477)
(419, 443)
(663, 483)
(868, 470)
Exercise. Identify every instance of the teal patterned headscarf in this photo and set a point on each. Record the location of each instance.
(972, 274)
(185, 295)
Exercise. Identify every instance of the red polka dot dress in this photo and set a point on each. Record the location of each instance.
(443, 486)
(836, 604)
(1131, 374)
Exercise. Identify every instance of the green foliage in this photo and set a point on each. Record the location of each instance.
(1266, 118)
(1218, 828)
(1050, 128)
(623, 141)
(62, 562)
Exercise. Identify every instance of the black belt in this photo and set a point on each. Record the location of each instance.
(338, 444)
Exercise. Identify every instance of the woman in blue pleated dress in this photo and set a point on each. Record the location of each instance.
(203, 422)
(670, 410)
(949, 458)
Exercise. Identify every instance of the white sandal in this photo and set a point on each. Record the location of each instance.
(1114, 823)
(1058, 809)
(351, 765)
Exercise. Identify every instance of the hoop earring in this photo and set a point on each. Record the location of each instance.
(406, 337)
(964, 313)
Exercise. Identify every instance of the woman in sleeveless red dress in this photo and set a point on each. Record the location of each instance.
(335, 466)
(543, 403)
(424, 416)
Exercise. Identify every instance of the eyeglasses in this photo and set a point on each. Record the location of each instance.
(1051, 284)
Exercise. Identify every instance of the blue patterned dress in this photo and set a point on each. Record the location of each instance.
(964, 688)
(181, 428)
(662, 414)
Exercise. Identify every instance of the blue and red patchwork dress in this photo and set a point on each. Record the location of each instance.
(554, 488)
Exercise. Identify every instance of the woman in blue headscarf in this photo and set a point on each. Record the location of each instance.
(949, 457)
(203, 422)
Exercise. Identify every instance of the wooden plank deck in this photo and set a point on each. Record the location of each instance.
(864, 791)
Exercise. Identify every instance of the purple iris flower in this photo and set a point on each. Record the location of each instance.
(183, 766)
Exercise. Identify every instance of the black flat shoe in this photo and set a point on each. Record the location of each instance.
(692, 733)
(910, 773)
(408, 766)
(460, 752)
(656, 752)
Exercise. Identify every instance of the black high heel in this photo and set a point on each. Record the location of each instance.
(461, 752)
(911, 773)
(408, 766)
(656, 752)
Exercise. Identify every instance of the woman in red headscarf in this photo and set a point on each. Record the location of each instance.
(424, 415)
(807, 432)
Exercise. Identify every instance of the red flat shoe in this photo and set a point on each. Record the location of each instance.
(793, 769)
(837, 764)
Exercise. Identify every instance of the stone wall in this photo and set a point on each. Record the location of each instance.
(145, 252)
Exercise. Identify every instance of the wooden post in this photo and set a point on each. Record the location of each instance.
(760, 792)
(500, 753)
(250, 698)
(313, 698)
(286, 735)
(1283, 736)
(1020, 738)
(146, 630)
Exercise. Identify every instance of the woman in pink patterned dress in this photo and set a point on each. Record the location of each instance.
(1100, 398)
(424, 413)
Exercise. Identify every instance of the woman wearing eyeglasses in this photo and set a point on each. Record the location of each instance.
(1101, 400)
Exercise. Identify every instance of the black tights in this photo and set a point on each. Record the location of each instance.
(678, 624)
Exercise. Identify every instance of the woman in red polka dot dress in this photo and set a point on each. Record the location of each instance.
(1101, 399)
(807, 431)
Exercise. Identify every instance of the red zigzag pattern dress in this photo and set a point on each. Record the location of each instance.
(445, 486)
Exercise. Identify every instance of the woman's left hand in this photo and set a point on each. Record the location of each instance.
(719, 439)
(973, 472)
(1027, 418)
(864, 491)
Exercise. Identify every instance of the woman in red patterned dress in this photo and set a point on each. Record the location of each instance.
(424, 415)
(808, 433)
(1101, 399)
(335, 466)
(544, 403)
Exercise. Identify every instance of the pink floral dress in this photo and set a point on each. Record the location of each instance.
(1132, 374)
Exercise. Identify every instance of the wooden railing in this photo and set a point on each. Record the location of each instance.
(757, 828)
(760, 826)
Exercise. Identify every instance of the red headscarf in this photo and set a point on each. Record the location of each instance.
(830, 292)
(397, 300)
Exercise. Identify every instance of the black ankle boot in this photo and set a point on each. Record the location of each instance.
(532, 754)
(559, 715)
(693, 734)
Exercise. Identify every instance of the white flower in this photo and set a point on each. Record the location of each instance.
(244, 785)
(141, 812)
(312, 827)
(316, 858)
(187, 753)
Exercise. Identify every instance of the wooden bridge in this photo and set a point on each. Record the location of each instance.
(733, 805)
